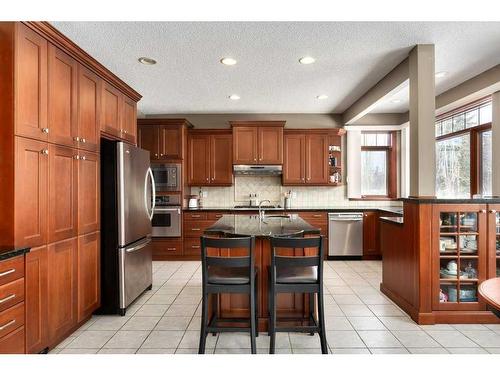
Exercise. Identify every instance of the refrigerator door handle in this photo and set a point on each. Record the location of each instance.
(139, 246)
(149, 174)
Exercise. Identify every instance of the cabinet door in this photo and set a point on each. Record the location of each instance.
(221, 169)
(245, 141)
(36, 278)
(89, 270)
(30, 84)
(316, 159)
(31, 191)
(89, 91)
(294, 159)
(270, 145)
(110, 109)
(63, 193)
(129, 120)
(149, 139)
(62, 281)
(199, 160)
(370, 234)
(63, 76)
(170, 142)
(89, 213)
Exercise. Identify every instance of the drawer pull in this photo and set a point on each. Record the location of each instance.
(8, 272)
(316, 215)
(13, 321)
(195, 246)
(195, 229)
(8, 298)
(218, 215)
(195, 215)
(171, 248)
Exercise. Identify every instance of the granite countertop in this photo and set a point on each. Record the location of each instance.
(393, 220)
(391, 209)
(250, 225)
(491, 200)
(7, 252)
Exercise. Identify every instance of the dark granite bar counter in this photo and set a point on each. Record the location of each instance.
(7, 252)
(393, 220)
(492, 200)
(251, 225)
(391, 209)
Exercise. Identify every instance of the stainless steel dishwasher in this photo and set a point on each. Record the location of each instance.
(345, 234)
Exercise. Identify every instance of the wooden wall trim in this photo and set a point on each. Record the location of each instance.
(257, 123)
(57, 38)
(165, 121)
(335, 131)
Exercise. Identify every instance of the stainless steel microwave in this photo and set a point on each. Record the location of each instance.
(167, 176)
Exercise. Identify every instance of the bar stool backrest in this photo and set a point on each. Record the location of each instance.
(247, 261)
(281, 261)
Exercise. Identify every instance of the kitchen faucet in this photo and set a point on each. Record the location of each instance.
(262, 213)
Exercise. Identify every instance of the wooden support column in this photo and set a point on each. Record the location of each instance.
(495, 144)
(422, 122)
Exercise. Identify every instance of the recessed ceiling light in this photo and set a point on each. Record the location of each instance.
(307, 60)
(321, 97)
(441, 74)
(147, 60)
(396, 101)
(234, 97)
(228, 61)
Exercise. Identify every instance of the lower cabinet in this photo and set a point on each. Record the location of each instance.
(371, 248)
(36, 279)
(89, 280)
(167, 248)
(62, 289)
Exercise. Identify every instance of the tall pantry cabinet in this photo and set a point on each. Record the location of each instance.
(50, 169)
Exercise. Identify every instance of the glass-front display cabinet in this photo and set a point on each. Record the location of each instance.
(460, 254)
(494, 240)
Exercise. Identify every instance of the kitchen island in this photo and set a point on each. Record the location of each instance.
(293, 306)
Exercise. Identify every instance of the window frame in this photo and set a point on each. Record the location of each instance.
(475, 139)
(391, 167)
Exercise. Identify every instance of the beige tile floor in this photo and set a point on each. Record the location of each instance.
(359, 319)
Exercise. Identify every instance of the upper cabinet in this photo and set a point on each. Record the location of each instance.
(110, 110)
(128, 128)
(163, 138)
(89, 94)
(257, 142)
(30, 84)
(312, 157)
(209, 158)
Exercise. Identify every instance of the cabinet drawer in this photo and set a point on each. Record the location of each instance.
(216, 215)
(13, 343)
(317, 216)
(11, 319)
(167, 247)
(196, 228)
(195, 216)
(11, 269)
(11, 294)
(323, 227)
(192, 246)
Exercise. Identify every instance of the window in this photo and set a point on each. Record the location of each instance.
(463, 151)
(378, 165)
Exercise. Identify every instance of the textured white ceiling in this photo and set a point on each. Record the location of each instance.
(351, 57)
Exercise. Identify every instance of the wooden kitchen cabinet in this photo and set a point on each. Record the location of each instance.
(62, 288)
(30, 83)
(110, 109)
(89, 97)
(164, 138)
(257, 142)
(89, 271)
(306, 158)
(62, 97)
(149, 139)
(63, 193)
(128, 127)
(89, 208)
(170, 142)
(36, 279)
(371, 249)
(209, 158)
(31, 192)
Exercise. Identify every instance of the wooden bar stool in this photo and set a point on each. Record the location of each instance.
(228, 275)
(297, 274)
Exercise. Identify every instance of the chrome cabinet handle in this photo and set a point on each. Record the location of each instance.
(8, 298)
(8, 272)
(493, 211)
(44, 151)
(255, 159)
(83, 157)
(76, 157)
(77, 139)
(482, 211)
(7, 324)
(195, 246)
(195, 215)
(45, 130)
(316, 215)
(83, 140)
(171, 248)
(195, 229)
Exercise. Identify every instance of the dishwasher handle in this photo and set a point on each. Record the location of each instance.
(347, 219)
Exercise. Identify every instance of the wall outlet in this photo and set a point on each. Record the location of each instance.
(294, 195)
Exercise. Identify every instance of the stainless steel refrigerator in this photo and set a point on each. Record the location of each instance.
(127, 205)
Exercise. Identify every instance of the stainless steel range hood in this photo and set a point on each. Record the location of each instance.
(257, 170)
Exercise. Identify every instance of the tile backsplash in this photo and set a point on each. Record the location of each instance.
(269, 187)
